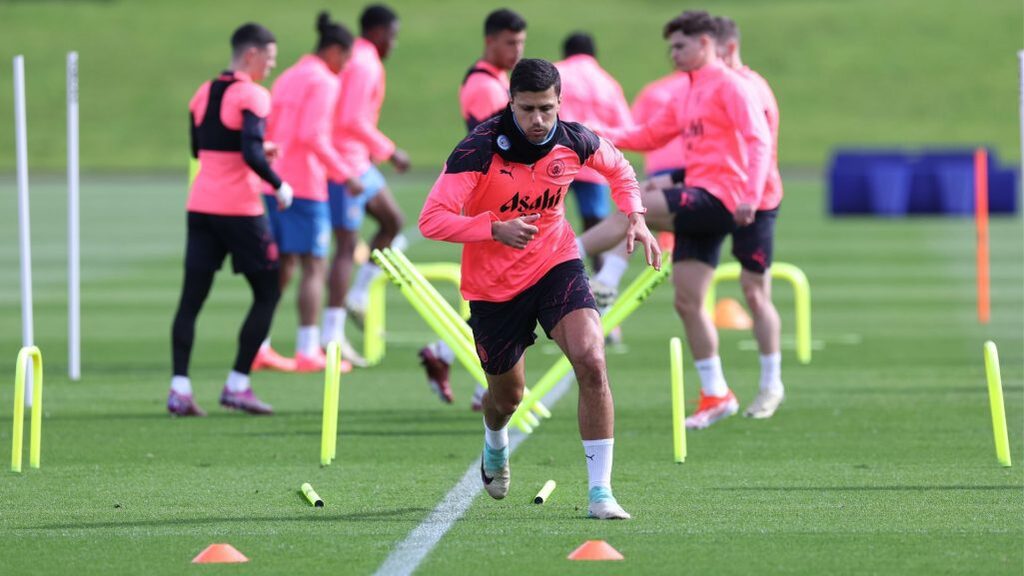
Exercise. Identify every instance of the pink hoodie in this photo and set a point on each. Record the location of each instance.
(773, 186)
(725, 134)
(483, 93)
(478, 187)
(304, 98)
(355, 133)
(225, 184)
(593, 98)
(648, 103)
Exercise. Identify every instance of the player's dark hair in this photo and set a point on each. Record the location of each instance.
(534, 75)
(332, 33)
(503, 19)
(376, 15)
(250, 34)
(691, 23)
(579, 43)
(726, 30)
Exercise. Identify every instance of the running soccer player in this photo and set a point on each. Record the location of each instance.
(225, 215)
(501, 194)
(754, 244)
(361, 143)
(484, 93)
(728, 152)
(305, 97)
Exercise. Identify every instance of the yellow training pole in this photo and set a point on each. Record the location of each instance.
(374, 344)
(675, 348)
(36, 434)
(19, 413)
(995, 397)
(26, 354)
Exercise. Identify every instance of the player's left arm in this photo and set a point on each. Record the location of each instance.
(608, 161)
(744, 110)
(356, 99)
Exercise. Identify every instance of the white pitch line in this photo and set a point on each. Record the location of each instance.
(410, 553)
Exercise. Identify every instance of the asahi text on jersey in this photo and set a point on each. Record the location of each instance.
(526, 203)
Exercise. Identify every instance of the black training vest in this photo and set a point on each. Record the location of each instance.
(211, 133)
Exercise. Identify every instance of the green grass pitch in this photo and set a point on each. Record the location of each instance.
(880, 461)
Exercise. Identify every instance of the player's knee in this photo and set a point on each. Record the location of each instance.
(688, 304)
(507, 404)
(589, 366)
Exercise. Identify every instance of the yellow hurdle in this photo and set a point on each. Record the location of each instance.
(332, 391)
(995, 398)
(801, 299)
(675, 348)
(35, 441)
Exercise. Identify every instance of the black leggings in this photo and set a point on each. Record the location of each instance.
(265, 291)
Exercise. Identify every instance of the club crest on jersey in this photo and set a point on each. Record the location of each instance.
(503, 142)
(556, 168)
(526, 203)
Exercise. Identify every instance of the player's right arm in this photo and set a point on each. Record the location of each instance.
(314, 130)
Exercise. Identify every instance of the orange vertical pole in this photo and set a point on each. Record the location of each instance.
(981, 219)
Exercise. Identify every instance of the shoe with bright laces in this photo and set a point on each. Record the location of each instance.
(437, 372)
(349, 353)
(766, 403)
(356, 308)
(712, 409)
(603, 505)
(604, 296)
(183, 405)
(268, 359)
(494, 471)
(245, 401)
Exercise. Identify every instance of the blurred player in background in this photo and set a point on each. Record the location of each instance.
(225, 215)
(362, 144)
(753, 245)
(305, 97)
(484, 93)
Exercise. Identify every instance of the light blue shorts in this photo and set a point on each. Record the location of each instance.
(304, 228)
(347, 211)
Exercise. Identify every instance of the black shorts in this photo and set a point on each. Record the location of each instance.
(753, 245)
(247, 238)
(503, 330)
(701, 223)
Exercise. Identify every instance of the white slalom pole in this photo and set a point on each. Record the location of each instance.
(24, 236)
(1020, 61)
(74, 256)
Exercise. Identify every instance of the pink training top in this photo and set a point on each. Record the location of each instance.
(355, 134)
(225, 185)
(725, 135)
(304, 97)
(483, 94)
(479, 186)
(593, 98)
(648, 103)
(773, 186)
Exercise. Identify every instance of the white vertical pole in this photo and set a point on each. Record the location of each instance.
(1020, 61)
(24, 236)
(74, 268)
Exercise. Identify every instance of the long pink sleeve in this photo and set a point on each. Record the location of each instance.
(611, 164)
(442, 216)
(356, 133)
(314, 130)
(653, 134)
(742, 107)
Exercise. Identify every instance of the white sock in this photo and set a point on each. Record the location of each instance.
(266, 344)
(334, 326)
(181, 385)
(400, 242)
(444, 352)
(367, 272)
(771, 372)
(599, 461)
(237, 382)
(579, 246)
(496, 439)
(308, 339)
(712, 381)
(612, 269)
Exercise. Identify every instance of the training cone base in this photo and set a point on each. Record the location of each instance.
(220, 554)
(730, 315)
(596, 550)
